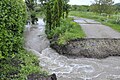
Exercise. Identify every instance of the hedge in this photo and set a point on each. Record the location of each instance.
(12, 23)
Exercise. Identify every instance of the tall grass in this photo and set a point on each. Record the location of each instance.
(68, 30)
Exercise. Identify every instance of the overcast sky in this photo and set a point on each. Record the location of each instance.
(85, 2)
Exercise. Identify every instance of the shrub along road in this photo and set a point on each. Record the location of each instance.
(67, 68)
(95, 29)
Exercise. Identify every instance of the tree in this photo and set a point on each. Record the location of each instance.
(83, 8)
(54, 10)
(103, 6)
(31, 4)
(117, 7)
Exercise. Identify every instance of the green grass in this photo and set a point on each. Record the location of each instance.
(20, 66)
(74, 32)
(68, 30)
(109, 21)
(39, 15)
(113, 26)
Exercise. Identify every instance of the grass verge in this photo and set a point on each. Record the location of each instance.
(20, 66)
(68, 30)
(109, 21)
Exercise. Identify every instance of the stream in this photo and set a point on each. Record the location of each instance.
(68, 68)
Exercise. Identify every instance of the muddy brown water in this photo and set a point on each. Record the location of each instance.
(68, 68)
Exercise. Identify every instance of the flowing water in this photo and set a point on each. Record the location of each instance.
(69, 68)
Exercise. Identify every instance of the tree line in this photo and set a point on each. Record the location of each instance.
(99, 6)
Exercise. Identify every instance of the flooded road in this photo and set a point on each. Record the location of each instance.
(68, 68)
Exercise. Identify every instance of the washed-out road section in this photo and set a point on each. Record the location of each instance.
(68, 68)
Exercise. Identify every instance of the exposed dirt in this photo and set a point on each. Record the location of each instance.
(90, 48)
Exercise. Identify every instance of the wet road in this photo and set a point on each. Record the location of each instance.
(94, 29)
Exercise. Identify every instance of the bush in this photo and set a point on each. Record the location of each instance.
(12, 21)
(20, 66)
(117, 20)
(68, 30)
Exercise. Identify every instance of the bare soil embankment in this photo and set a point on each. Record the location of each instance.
(90, 48)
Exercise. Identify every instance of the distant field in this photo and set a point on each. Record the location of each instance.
(109, 21)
